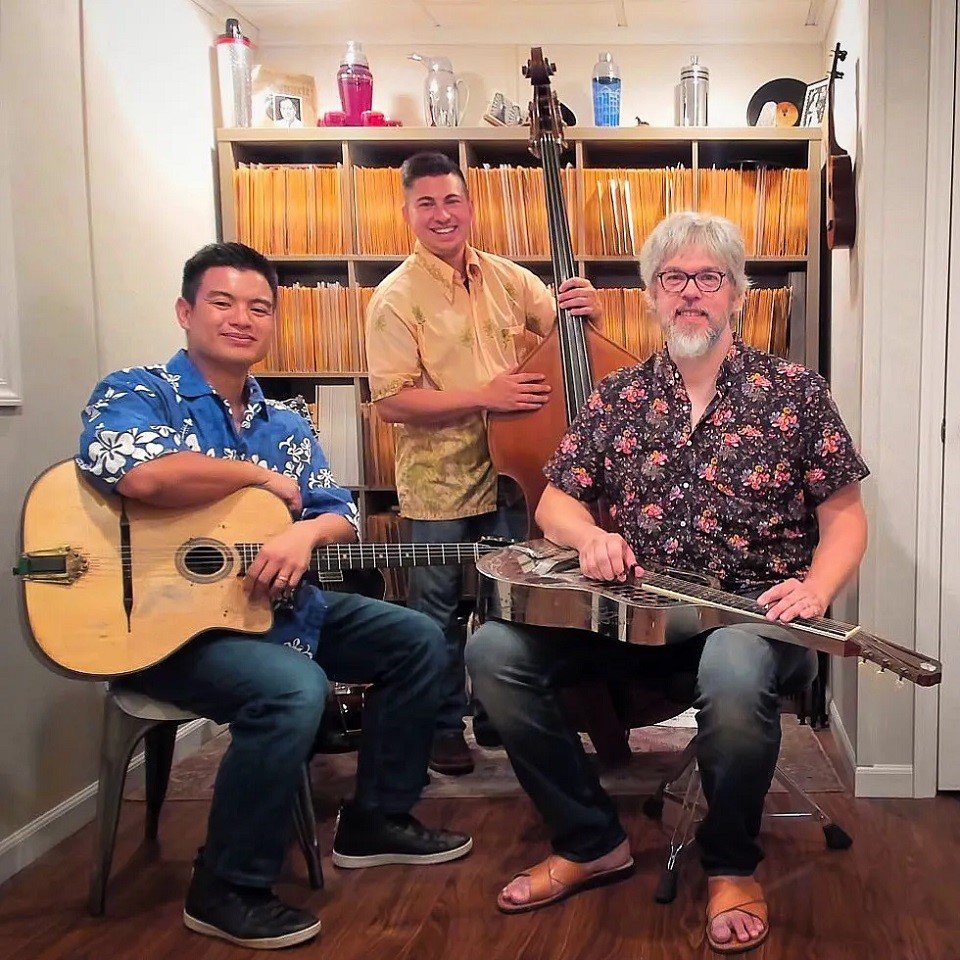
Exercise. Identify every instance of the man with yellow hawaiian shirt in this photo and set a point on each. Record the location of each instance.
(443, 332)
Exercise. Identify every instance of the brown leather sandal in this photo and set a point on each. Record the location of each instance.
(737, 893)
(556, 878)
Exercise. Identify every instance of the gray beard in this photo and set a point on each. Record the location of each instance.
(691, 345)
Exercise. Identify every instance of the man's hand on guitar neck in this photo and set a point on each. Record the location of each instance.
(791, 599)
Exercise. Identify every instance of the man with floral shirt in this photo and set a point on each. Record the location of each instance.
(713, 457)
(191, 432)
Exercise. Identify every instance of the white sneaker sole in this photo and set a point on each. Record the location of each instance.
(264, 943)
(383, 859)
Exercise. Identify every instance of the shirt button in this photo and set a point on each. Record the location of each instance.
(686, 486)
(683, 523)
(689, 443)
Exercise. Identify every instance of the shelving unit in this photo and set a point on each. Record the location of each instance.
(638, 147)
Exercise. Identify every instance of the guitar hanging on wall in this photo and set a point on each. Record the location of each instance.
(841, 192)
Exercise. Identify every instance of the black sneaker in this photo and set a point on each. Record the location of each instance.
(247, 916)
(368, 838)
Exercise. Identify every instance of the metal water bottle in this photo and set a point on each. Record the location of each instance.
(234, 53)
(691, 95)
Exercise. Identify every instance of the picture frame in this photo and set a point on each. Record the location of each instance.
(814, 103)
(272, 87)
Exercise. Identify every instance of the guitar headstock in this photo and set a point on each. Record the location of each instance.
(839, 55)
(544, 108)
(906, 664)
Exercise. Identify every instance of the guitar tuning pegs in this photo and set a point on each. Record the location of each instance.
(899, 681)
(881, 669)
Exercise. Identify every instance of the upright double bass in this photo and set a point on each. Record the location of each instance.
(575, 355)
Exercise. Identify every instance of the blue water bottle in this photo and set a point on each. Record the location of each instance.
(606, 92)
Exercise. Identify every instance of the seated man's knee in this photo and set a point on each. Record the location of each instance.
(736, 680)
(423, 640)
(490, 650)
(294, 697)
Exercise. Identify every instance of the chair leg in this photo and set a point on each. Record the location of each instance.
(306, 823)
(666, 891)
(653, 805)
(158, 745)
(121, 733)
(837, 838)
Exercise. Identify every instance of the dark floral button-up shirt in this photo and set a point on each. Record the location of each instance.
(736, 495)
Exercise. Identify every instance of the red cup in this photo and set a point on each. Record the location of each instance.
(392, 123)
(333, 118)
(372, 118)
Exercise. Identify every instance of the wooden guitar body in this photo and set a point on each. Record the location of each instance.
(841, 202)
(111, 586)
(82, 627)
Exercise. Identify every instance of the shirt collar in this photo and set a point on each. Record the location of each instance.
(190, 383)
(442, 272)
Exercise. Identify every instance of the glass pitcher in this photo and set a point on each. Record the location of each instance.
(441, 93)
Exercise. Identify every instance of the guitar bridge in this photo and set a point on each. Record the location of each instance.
(60, 565)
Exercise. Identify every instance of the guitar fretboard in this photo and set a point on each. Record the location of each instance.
(361, 556)
(686, 589)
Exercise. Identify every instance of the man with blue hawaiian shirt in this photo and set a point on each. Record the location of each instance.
(191, 432)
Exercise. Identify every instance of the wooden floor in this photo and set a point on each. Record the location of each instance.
(894, 896)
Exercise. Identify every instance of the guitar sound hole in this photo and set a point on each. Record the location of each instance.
(204, 560)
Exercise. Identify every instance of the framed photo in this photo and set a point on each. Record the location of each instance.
(814, 103)
(283, 100)
(287, 111)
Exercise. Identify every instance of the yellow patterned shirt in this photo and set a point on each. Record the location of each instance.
(425, 328)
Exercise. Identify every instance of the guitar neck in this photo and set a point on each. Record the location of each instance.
(906, 664)
(368, 556)
(676, 588)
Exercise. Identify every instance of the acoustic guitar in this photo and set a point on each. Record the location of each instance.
(841, 192)
(111, 585)
(540, 584)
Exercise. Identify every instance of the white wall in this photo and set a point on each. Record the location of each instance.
(849, 28)
(151, 99)
(876, 350)
(49, 729)
(892, 260)
(649, 74)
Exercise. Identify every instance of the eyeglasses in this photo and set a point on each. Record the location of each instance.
(675, 281)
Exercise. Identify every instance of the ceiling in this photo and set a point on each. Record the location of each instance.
(298, 22)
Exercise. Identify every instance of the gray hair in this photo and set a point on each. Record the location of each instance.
(688, 229)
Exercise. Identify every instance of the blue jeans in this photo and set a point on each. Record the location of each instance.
(437, 592)
(273, 699)
(516, 672)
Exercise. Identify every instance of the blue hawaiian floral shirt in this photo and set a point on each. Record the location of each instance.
(141, 413)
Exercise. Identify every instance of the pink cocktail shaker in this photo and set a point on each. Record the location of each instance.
(356, 83)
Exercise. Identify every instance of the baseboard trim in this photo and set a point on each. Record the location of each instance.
(884, 780)
(871, 780)
(843, 739)
(33, 840)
